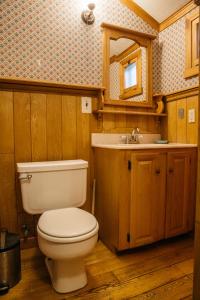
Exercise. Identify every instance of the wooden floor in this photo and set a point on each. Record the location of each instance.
(162, 271)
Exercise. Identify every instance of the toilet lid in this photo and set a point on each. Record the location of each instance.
(67, 222)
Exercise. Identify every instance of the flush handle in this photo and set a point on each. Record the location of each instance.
(25, 178)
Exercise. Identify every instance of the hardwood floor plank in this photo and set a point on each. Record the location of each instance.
(156, 263)
(114, 262)
(186, 266)
(154, 272)
(175, 290)
(136, 286)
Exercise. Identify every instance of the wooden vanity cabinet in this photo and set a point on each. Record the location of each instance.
(181, 187)
(143, 196)
(113, 192)
(147, 205)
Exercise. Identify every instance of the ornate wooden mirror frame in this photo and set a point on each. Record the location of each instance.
(144, 40)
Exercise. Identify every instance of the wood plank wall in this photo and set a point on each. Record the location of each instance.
(178, 128)
(38, 126)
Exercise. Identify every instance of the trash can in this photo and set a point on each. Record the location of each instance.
(10, 262)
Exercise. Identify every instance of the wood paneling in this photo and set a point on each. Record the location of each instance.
(181, 121)
(179, 128)
(22, 126)
(192, 128)
(172, 121)
(69, 127)
(6, 122)
(196, 291)
(39, 126)
(54, 127)
(8, 215)
(45, 86)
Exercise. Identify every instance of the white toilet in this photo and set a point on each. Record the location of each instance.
(66, 233)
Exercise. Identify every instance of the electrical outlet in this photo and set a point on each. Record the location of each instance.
(191, 115)
(86, 105)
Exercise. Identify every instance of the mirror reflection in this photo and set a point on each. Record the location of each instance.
(127, 70)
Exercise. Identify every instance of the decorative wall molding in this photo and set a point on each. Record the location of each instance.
(125, 53)
(166, 23)
(177, 15)
(49, 87)
(182, 94)
(141, 13)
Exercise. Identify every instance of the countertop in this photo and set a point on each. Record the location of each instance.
(143, 146)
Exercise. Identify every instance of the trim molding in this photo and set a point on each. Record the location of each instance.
(193, 91)
(154, 23)
(141, 13)
(125, 53)
(127, 31)
(177, 15)
(49, 87)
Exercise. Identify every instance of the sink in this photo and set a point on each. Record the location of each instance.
(112, 141)
(143, 146)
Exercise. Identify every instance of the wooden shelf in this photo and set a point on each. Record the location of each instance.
(123, 112)
(50, 87)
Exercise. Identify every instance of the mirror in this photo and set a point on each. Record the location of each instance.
(127, 70)
(127, 66)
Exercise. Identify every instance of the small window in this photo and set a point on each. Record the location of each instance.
(192, 45)
(131, 75)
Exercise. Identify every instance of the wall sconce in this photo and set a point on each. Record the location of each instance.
(88, 15)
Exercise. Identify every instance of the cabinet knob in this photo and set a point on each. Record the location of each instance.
(157, 171)
(171, 171)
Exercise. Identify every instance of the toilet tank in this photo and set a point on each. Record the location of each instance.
(52, 184)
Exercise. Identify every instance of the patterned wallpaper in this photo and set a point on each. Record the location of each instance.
(47, 40)
(171, 59)
(115, 79)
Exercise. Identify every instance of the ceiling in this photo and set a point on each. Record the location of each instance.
(160, 10)
(118, 46)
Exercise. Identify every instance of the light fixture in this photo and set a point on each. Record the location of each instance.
(88, 15)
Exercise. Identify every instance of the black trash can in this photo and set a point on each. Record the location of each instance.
(10, 261)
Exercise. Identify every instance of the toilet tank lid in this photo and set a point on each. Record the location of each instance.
(51, 165)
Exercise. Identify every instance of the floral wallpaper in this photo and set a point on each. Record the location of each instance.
(171, 58)
(47, 40)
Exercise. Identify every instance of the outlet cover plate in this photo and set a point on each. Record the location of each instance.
(191, 115)
(86, 104)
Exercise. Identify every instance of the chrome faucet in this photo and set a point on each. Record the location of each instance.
(135, 135)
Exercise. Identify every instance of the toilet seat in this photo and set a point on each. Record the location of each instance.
(67, 225)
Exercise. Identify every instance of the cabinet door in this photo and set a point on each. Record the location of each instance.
(147, 213)
(178, 192)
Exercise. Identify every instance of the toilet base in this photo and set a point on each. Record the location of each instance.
(66, 275)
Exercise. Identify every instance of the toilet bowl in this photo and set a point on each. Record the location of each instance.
(65, 250)
(66, 233)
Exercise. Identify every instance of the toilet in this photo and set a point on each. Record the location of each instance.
(66, 233)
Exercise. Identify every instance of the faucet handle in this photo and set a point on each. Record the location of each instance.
(135, 131)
